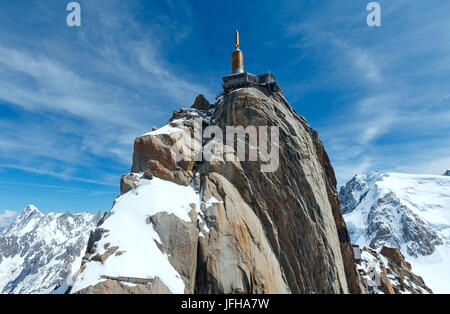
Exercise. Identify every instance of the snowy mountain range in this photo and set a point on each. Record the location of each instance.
(39, 252)
(404, 211)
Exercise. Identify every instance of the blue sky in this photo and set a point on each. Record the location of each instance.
(72, 100)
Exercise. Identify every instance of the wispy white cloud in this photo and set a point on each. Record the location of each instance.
(86, 94)
(394, 114)
(435, 166)
(58, 188)
(59, 175)
(7, 218)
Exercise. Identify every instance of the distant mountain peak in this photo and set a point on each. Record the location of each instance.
(30, 209)
(447, 173)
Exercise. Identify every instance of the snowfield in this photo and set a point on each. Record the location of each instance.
(129, 229)
(413, 211)
(428, 196)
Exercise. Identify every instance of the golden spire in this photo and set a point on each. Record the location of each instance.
(237, 58)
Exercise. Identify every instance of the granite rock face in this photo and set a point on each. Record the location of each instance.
(297, 204)
(250, 231)
(179, 240)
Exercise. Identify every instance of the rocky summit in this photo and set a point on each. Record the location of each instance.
(224, 226)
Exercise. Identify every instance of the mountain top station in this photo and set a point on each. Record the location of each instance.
(241, 79)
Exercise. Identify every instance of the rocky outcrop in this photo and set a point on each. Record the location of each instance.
(127, 286)
(352, 194)
(447, 173)
(250, 231)
(395, 257)
(128, 182)
(201, 103)
(387, 272)
(154, 154)
(179, 240)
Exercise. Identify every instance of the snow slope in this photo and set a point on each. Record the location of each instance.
(129, 229)
(406, 211)
(39, 252)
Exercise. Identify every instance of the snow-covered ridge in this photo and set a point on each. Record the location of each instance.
(406, 211)
(39, 252)
(128, 247)
(132, 241)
